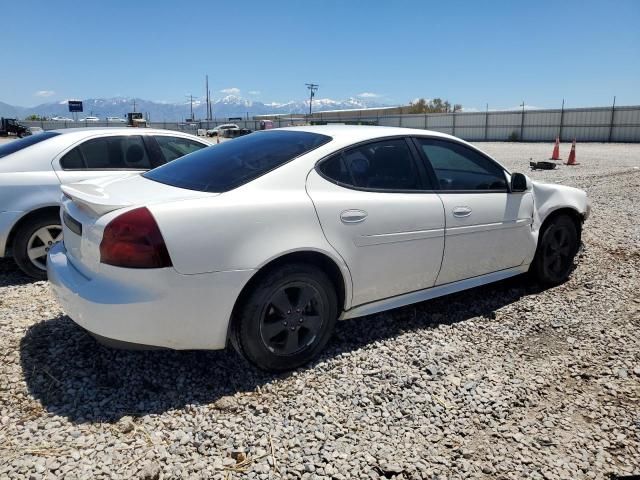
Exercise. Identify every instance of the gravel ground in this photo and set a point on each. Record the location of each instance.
(506, 381)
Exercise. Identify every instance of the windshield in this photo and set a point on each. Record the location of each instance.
(233, 163)
(16, 145)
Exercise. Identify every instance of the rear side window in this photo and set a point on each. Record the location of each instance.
(125, 152)
(384, 165)
(223, 167)
(459, 168)
(72, 160)
(17, 145)
(176, 147)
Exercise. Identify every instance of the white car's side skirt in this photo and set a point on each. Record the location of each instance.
(429, 293)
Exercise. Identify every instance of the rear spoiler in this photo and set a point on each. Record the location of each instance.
(93, 197)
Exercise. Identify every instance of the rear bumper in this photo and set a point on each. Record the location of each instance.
(159, 307)
(7, 221)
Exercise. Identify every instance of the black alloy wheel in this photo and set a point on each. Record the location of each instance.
(292, 318)
(557, 248)
(286, 318)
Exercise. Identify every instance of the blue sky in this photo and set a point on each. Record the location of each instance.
(470, 52)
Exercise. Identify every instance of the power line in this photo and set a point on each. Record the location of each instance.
(312, 92)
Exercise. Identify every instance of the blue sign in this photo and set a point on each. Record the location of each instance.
(75, 106)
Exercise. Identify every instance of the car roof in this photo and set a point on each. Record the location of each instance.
(344, 135)
(81, 132)
(365, 132)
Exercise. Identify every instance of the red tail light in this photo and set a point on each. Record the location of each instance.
(133, 240)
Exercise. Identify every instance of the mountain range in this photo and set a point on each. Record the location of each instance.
(229, 106)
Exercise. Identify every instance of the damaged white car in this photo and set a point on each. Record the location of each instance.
(267, 240)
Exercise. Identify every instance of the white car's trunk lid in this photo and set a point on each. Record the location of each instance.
(104, 195)
(87, 207)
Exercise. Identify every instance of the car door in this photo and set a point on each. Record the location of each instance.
(380, 214)
(487, 228)
(103, 156)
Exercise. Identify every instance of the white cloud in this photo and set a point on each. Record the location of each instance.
(44, 93)
(254, 92)
(368, 95)
(231, 90)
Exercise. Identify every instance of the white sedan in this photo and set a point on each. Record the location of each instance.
(267, 240)
(214, 132)
(33, 168)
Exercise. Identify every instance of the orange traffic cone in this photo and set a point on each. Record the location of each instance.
(572, 155)
(556, 150)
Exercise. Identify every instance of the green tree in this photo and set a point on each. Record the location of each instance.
(435, 105)
(34, 117)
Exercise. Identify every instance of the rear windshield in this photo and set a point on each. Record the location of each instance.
(233, 163)
(16, 145)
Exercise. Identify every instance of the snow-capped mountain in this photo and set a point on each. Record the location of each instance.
(225, 107)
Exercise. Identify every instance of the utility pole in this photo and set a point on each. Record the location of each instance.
(486, 122)
(190, 97)
(312, 92)
(613, 113)
(208, 98)
(522, 122)
(561, 120)
(134, 105)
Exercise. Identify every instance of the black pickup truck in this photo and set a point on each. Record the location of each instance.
(10, 126)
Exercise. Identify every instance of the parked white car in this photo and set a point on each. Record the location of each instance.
(33, 168)
(62, 119)
(89, 119)
(267, 240)
(214, 132)
(116, 120)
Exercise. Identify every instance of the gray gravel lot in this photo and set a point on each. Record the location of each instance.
(506, 381)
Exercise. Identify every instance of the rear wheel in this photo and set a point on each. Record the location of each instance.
(287, 318)
(557, 248)
(32, 243)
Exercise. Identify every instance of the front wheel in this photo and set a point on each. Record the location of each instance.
(287, 318)
(32, 243)
(557, 247)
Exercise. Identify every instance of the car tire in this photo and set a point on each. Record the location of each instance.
(557, 247)
(287, 317)
(30, 236)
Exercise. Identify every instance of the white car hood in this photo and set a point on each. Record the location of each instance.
(111, 193)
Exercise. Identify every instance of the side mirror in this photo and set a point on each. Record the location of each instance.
(519, 182)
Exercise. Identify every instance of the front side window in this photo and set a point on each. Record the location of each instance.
(223, 167)
(384, 165)
(176, 147)
(460, 168)
(125, 152)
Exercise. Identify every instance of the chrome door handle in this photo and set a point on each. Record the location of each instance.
(461, 212)
(353, 216)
